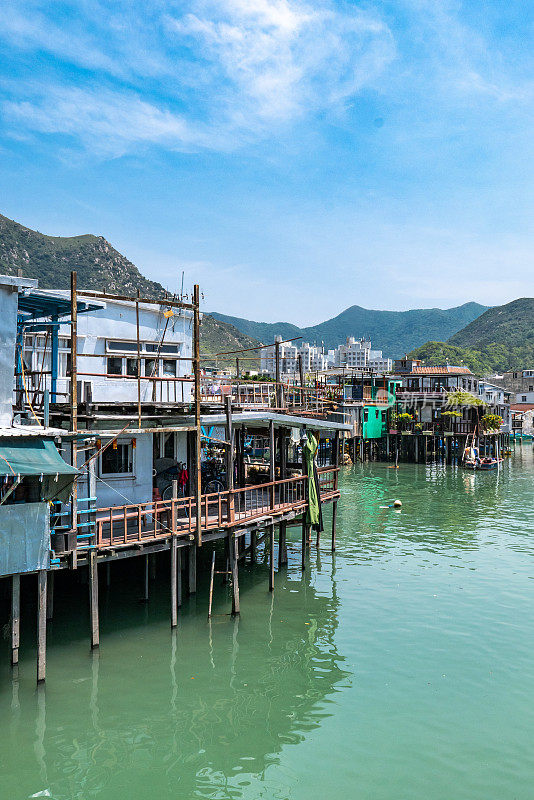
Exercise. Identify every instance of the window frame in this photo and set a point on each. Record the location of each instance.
(118, 475)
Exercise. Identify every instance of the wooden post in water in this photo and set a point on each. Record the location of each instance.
(282, 544)
(212, 577)
(235, 574)
(192, 568)
(174, 580)
(304, 540)
(41, 625)
(271, 557)
(144, 598)
(253, 540)
(93, 599)
(179, 574)
(50, 596)
(15, 619)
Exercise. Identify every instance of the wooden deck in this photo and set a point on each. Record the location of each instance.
(145, 522)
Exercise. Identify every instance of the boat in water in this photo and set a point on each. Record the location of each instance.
(483, 463)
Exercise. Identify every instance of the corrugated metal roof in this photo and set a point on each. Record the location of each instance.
(444, 370)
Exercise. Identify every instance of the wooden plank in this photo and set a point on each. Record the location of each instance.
(15, 619)
(93, 600)
(41, 626)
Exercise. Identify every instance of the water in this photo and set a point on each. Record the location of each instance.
(402, 668)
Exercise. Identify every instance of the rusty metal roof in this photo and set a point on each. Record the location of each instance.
(447, 369)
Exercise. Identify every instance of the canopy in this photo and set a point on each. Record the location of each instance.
(37, 457)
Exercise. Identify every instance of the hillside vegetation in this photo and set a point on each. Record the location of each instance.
(501, 339)
(100, 266)
(394, 332)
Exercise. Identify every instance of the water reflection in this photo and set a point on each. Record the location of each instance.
(197, 712)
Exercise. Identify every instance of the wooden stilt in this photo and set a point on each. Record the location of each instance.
(179, 575)
(271, 558)
(212, 577)
(108, 574)
(152, 561)
(15, 619)
(174, 586)
(50, 595)
(253, 543)
(192, 563)
(304, 540)
(235, 574)
(145, 580)
(334, 522)
(41, 626)
(282, 544)
(93, 599)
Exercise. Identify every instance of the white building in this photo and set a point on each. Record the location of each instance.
(107, 353)
(355, 354)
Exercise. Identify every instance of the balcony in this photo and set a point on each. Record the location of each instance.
(126, 525)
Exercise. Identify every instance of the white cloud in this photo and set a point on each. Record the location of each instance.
(213, 75)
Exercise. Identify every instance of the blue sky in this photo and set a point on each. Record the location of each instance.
(292, 156)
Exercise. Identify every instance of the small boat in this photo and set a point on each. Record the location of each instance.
(484, 463)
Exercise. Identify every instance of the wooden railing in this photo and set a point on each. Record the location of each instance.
(120, 525)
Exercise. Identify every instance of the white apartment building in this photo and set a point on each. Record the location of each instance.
(355, 354)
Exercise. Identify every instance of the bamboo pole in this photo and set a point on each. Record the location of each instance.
(41, 625)
(74, 398)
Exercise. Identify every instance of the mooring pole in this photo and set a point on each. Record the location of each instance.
(93, 599)
(41, 625)
(15, 619)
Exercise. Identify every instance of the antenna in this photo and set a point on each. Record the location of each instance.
(182, 289)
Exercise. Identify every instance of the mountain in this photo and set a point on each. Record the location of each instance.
(100, 266)
(500, 339)
(394, 332)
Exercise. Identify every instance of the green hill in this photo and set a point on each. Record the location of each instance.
(394, 332)
(501, 339)
(50, 259)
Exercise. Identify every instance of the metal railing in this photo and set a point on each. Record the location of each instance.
(120, 525)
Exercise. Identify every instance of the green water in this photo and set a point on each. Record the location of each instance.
(402, 669)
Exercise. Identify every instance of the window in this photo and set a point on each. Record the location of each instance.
(114, 365)
(169, 368)
(162, 348)
(151, 369)
(121, 347)
(117, 459)
(524, 398)
(131, 367)
(168, 445)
